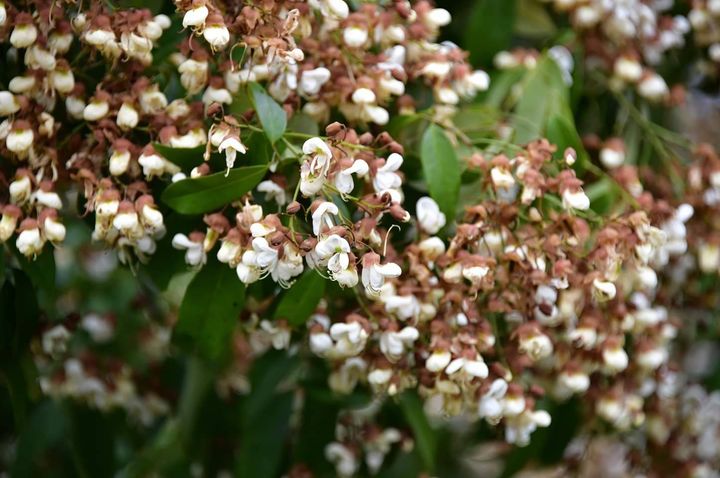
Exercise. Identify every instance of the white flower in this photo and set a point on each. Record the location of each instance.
(346, 465)
(468, 367)
(272, 191)
(280, 336)
(537, 346)
(217, 35)
(54, 230)
(628, 69)
(502, 178)
(152, 101)
(29, 242)
(386, 179)
(394, 344)
(127, 117)
(194, 252)
(152, 163)
(22, 84)
(48, 198)
(653, 88)
(350, 338)
(265, 256)
(231, 145)
(575, 199)
(603, 290)
(355, 36)
(247, 270)
(288, 267)
(99, 328)
(344, 180)
(334, 9)
(119, 162)
(490, 406)
(438, 17)
(430, 218)
(96, 110)
(438, 360)
(652, 358)
(54, 341)
(333, 252)
(23, 35)
(322, 216)
(432, 247)
(374, 274)
(519, 428)
(195, 17)
(8, 103)
(312, 80)
(612, 158)
(19, 140)
(216, 95)
(615, 358)
(314, 170)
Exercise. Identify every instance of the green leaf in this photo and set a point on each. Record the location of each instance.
(264, 439)
(209, 311)
(271, 115)
(533, 20)
(425, 439)
(302, 123)
(266, 416)
(544, 93)
(186, 158)
(48, 427)
(441, 169)
(490, 29)
(299, 302)
(207, 193)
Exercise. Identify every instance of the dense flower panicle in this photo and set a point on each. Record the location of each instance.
(525, 292)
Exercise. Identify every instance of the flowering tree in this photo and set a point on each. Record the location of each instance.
(288, 238)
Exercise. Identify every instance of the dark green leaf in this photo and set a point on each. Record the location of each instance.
(207, 193)
(264, 439)
(425, 439)
(186, 158)
(209, 311)
(266, 416)
(47, 427)
(533, 20)
(441, 169)
(300, 301)
(490, 29)
(271, 115)
(302, 123)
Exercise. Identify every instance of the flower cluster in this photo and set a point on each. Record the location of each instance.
(69, 368)
(628, 39)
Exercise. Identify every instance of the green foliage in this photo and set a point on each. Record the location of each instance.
(425, 438)
(186, 158)
(441, 169)
(490, 29)
(271, 115)
(209, 311)
(207, 193)
(299, 302)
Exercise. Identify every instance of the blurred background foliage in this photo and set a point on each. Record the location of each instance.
(251, 434)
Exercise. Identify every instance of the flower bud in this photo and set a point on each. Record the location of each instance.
(127, 116)
(25, 33)
(20, 138)
(20, 188)
(29, 241)
(8, 223)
